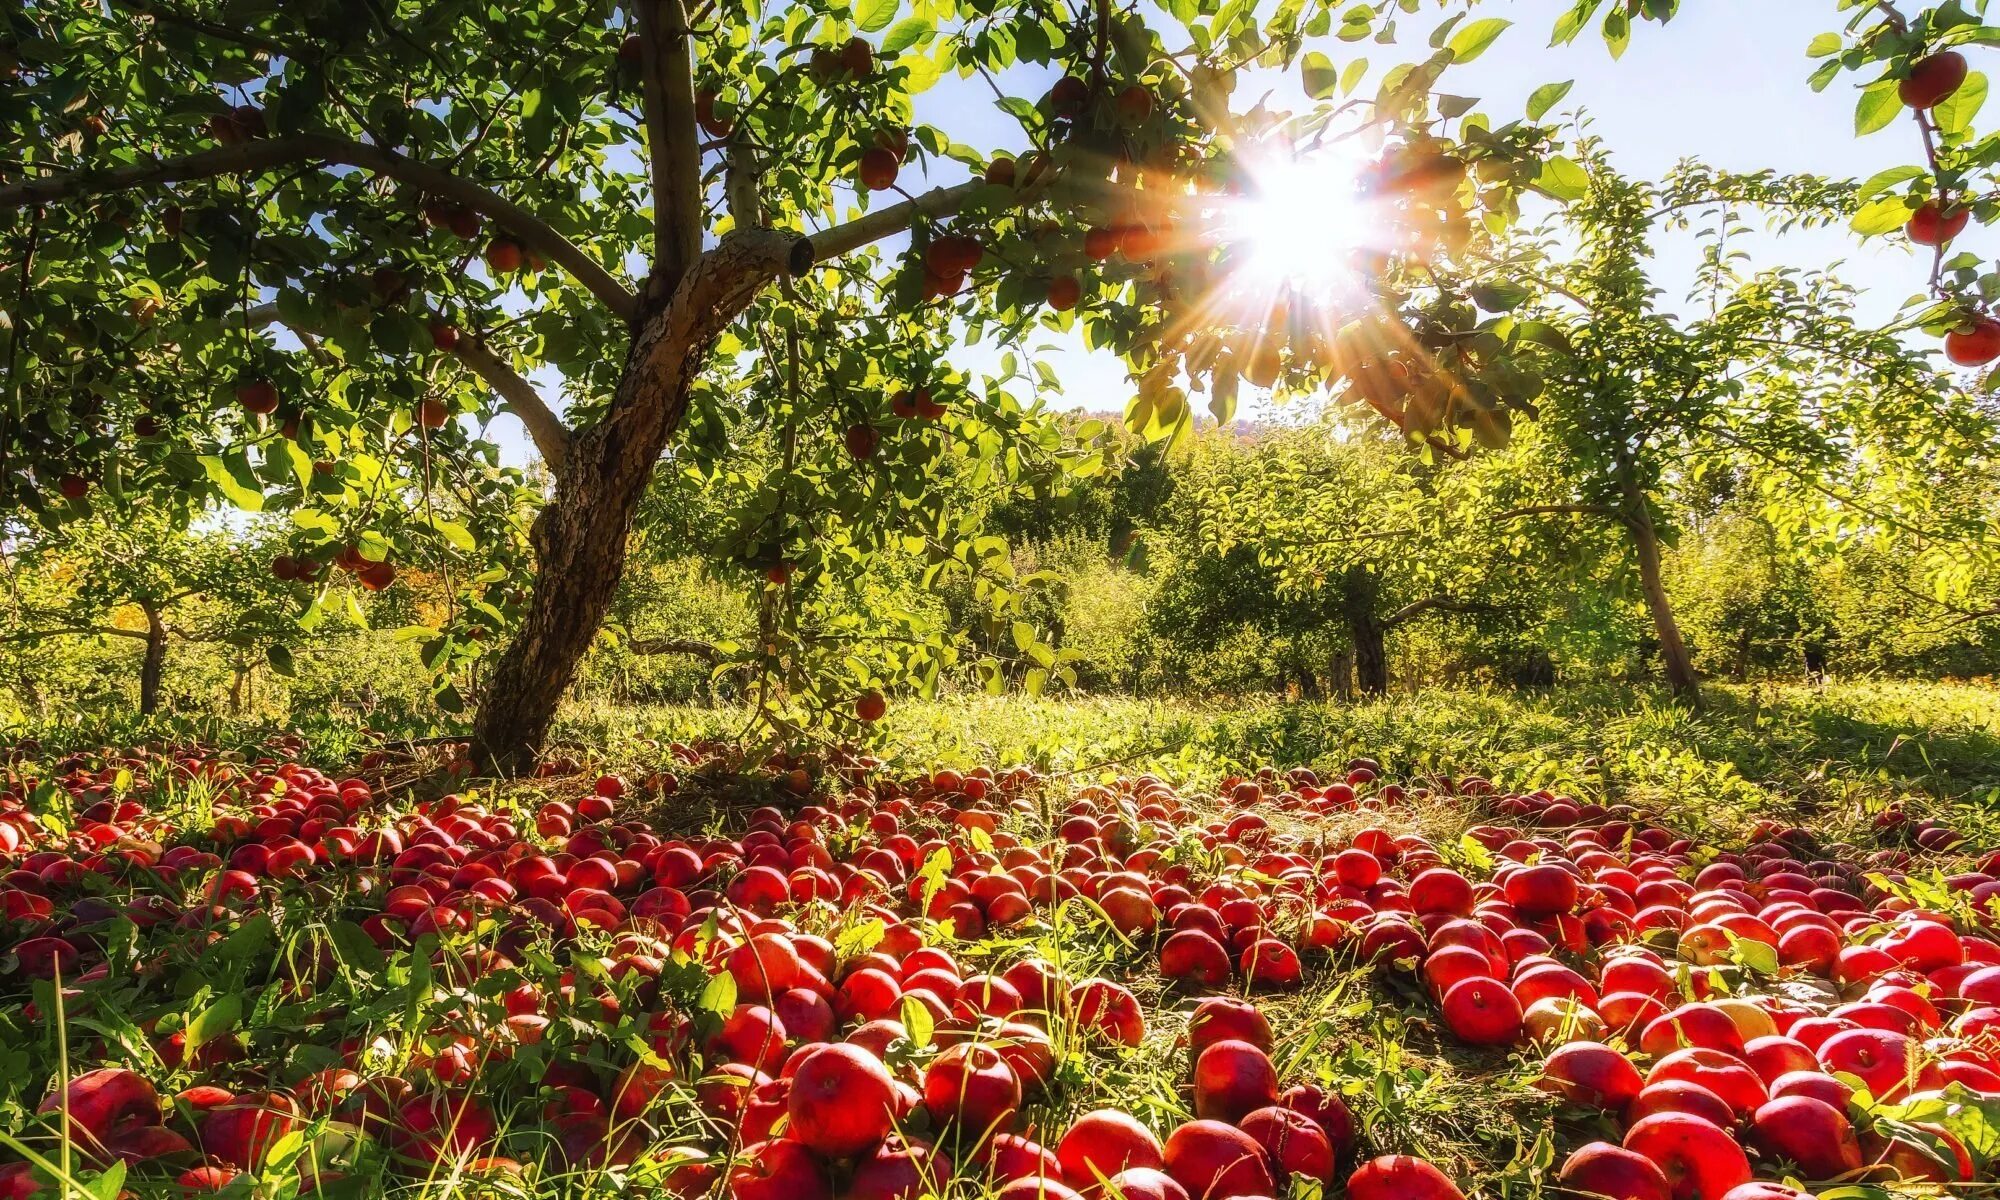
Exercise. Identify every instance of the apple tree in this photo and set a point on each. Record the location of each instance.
(294, 257)
(145, 577)
(1850, 432)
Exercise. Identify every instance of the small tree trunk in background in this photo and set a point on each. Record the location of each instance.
(1674, 656)
(155, 664)
(1364, 630)
(236, 688)
(1342, 672)
(1741, 672)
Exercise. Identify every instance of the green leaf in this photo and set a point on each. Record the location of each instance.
(1885, 215)
(214, 1021)
(356, 950)
(1572, 23)
(1823, 45)
(1561, 178)
(1617, 31)
(242, 490)
(908, 32)
(719, 996)
(280, 658)
(1472, 41)
(458, 535)
(874, 15)
(1322, 78)
(1878, 106)
(110, 1184)
(1757, 956)
(1882, 181)
(1547, 97)
(918, 1021)
(1954, 116)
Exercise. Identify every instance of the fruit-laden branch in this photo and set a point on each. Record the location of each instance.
(706, 651)
(263, 154)
(1439, 603)
(887, 222)
(550, 435)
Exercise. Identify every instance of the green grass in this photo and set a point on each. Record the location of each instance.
(1829, 755)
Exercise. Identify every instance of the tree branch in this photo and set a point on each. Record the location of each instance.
(1530, 510)
(887, 222)
(517, 395)
(706, 651)
(673, 140)
(550, 435)
(1439, 603)
(242, 37)
(266, 153)
(76, 631)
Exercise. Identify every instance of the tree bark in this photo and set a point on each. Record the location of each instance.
(1679, 664)
(1342, 673)
(154, 666)
(1364, 629)
(579, 538)
(1742, 670)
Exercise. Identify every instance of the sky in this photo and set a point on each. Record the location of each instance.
(1724, 82)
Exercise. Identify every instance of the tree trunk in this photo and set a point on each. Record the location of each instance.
(1674, 656)
(155, 664)
(1342, 672)
(579, 542)
(579, 537)
(1364, 630)
(1741, 672)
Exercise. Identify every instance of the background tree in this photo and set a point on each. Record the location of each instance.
(148, 579)
(1846, 425)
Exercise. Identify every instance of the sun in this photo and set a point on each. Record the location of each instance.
(1302, 225)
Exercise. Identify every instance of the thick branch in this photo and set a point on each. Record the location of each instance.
(242, 37)
(673, 140)
(267, 153)
(1436, 604)
(887, 222)
(518, 396)
(550, 435)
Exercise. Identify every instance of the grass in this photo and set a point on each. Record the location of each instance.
(1828, 755)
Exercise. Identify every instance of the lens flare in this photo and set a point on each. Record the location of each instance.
(1302, 226)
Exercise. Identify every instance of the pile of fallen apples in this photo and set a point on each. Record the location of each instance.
(292, 980)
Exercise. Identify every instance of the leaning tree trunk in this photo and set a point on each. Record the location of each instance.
(1681, 679)
(153, 668)
(1364, 630)
(579, 537)
(579, 542)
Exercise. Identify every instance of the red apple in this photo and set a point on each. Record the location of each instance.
(1602, 1169)
(1400, 1177)
(1700, 1161)
(1809, 1132)
(842, 1101)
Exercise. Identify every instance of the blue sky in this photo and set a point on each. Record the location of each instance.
(1725, 82)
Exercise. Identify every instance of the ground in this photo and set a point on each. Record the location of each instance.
(346, 971)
